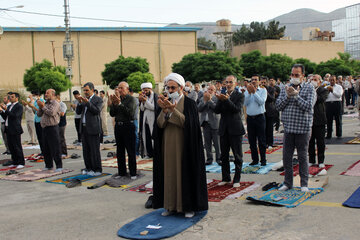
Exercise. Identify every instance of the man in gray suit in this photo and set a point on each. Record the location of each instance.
(90, 128)
(210, 123)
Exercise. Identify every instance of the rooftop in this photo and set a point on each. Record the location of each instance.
(102, 29)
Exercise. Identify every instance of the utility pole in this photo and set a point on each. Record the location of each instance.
(53, 49)
(68, 51)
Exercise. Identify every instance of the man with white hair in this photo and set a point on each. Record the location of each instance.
(148, 107)
(179, 164)
(189, 92)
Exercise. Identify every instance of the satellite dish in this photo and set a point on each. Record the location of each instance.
(1, 30)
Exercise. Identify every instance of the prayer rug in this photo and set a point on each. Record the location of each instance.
(81, 177)
(313, 170)
(318, 182)
(4, 160)
(335, 140)
(112, 162)
(34, 158)
(290, 198)
(353, 170)
(268, 151)
(145, 164)
(117, 181)
(256, 169)
(109, 146)
(354, 141)
(73, 147)
(12, 168)
(34, 174)
(217, 193)
(155, 226)
(140, 188)
(354, 200)
(31, 146)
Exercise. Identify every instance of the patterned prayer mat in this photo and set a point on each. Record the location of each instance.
(313, 170)
(145, 164)
(354, 200)
(353, 170)
(268, 151)
(290, 198)
(31, 146)
(82, 178)
(140, 188)
(354, 141)
(34, 158)
(217, 193)
(246, 168)
(12, 168)
(278, 140)
(34, 174)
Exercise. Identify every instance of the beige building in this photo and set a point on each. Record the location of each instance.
(93, 47)
(315, 51)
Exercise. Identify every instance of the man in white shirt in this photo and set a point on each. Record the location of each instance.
(333, 107)
(29, 117)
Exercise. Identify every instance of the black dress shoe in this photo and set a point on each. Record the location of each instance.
(149, 202)
(208, 162)
(253, 163)
(263, 164)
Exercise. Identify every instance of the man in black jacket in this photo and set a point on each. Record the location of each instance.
(12, 116)
(90, 128)
(231, 130)
(270, 113)
(318, 128)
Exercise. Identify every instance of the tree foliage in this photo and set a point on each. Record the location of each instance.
(250, 63)
(44, 75)
(258, 31)
(120, 69)
(137, 78)
(276, 66)
(310, 67)
(203, 42)
(197, 67)
(334, 66)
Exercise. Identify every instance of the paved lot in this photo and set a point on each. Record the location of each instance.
(39, 210)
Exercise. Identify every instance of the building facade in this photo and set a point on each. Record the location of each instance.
(315, 51)
(93, 47)
(348, 30)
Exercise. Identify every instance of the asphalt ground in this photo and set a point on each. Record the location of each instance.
(39, 210)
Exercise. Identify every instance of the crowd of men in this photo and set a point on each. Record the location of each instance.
(179, 127)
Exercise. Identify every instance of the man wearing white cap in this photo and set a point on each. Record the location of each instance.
(148, 107)
(179, 164)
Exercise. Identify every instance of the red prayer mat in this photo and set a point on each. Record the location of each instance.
(353, 170)
(268, 151)
(34, 158)
(313, 170)
(217, 193)
(13, 168)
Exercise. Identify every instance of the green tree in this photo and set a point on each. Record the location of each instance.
(197, 67)
(276, 66)
(203, 42)
(334, 66)
(310, 67)
(44, 75)
(258, 31)
(135, 80)
(119, 69)
(352, 63)
(250, 63)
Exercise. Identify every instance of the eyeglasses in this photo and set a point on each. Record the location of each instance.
(171, 87)
(229, 82)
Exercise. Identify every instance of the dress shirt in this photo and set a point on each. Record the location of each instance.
(50, 114)
(336, 94)
(255, 103)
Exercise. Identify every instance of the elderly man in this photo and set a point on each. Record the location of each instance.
(148, 107)
(104, 113)
(12, 115)
(189, 92)
(179, 165)
(318, 127)
(90, 107)
(50, 118)
(296, 101)
(231, 130)
(255, 98)
(333, 108)
(29, 117)
(123, 108)
(209, 121)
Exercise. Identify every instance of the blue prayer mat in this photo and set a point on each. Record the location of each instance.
(246, 168)
(290, 198)
(354, 200)
(81, 177)
(170, 225)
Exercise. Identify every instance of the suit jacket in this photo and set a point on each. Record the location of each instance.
(208, 108)
(319, 107)
(230, 111)
(270, 102)
(92, 116)
(14, 119)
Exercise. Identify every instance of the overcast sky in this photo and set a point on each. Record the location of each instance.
(157, 11)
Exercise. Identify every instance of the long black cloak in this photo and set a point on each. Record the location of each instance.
(193, 174)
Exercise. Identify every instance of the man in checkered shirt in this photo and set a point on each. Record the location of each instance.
(296, 102)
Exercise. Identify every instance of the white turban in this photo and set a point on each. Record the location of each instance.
(146, 85)
(175, 77)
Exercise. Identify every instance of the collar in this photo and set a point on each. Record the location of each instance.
(91, 96)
